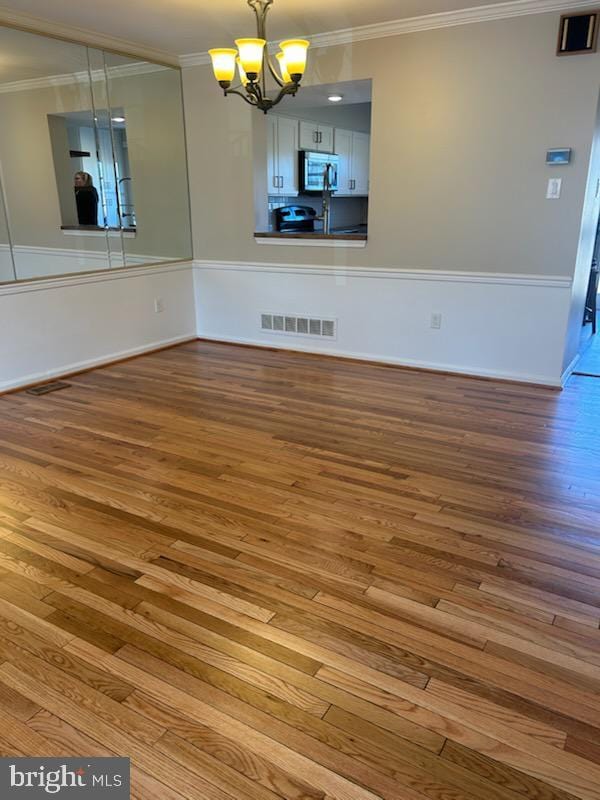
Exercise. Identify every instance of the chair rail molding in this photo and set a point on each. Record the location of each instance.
(410, 274)
(43, 283)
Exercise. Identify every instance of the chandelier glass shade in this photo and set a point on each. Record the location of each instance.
(253, 64)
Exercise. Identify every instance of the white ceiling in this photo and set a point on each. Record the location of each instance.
(191, 26)
(353, 92)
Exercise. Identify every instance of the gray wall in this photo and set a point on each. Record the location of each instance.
(462, 118)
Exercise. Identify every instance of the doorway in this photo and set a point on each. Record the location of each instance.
(589, 364)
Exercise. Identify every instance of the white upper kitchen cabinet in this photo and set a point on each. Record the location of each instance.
(361, 155)
(343, 149)
(272, 159)
(353, 149)
(282, 156)
(316, 137)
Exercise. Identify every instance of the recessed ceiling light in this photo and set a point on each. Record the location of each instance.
(335, 98)
(118, 119)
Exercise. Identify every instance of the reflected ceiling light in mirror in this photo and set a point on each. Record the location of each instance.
(335, 98)
(254, 62)
(118, 119)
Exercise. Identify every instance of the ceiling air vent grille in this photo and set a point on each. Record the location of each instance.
(292, 325)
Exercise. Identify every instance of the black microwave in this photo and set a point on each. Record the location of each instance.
(312, 171)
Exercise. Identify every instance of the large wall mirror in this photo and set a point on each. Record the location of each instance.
(93, 170)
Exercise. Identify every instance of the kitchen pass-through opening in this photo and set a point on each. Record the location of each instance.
(312, 162)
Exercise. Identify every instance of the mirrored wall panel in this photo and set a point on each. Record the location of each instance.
(92, 160)
(7, 268)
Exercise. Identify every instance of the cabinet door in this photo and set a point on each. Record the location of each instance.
(287, 147)
(308, 135)
(272, 161)
(325, 136)
(361, 146)
(343, 148)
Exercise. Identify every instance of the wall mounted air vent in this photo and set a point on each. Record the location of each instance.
(304, 325)
(578, 33)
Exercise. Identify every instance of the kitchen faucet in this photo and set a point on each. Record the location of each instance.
(326, 203)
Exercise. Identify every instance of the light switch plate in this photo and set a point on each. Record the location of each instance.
(554, 189)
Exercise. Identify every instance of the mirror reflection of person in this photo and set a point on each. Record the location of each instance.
(86, 198)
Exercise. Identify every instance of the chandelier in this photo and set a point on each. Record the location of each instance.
(252, 60)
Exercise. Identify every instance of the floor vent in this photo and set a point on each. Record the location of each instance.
(299, 325)
(46, 388)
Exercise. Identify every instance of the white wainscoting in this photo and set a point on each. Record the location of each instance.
(502, 326)
(55, 326)
(493, 325)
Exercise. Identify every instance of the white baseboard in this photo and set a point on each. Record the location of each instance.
(539, 380)
(569, 370)
(93, 363)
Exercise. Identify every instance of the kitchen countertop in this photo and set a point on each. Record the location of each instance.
(96, 228)
(351, 237)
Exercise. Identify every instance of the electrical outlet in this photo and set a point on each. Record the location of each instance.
(159, 305)
(436, 321)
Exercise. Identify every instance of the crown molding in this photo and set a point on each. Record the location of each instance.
(48, 81)
(194, 60)
(71, 33)
(427, 22)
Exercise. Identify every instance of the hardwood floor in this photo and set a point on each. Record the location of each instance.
(269, 575)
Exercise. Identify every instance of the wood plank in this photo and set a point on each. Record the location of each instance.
(283, 757)
(229, 753)
(480, 733)
(77, 714)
